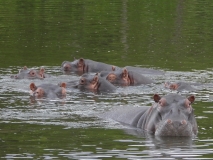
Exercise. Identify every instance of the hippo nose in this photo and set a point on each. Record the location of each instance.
(66, 67)
(176, 123)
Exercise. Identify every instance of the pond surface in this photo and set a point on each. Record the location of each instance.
(174, 37)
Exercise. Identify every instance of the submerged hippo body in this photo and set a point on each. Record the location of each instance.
(171, 115)
(95, 83)
(26, 73)
(86, 65)
(180, 86)
(48, 91)
(125, 78)
(143, 71)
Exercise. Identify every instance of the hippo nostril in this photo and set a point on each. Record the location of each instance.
(183, 122)
(169, 121)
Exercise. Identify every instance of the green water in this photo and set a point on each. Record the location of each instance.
(175, 36)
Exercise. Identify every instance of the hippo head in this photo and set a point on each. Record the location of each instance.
(48, 90)
(26, 73)
(89, 82)
(173, 115)
(75, 66)
(120, 76)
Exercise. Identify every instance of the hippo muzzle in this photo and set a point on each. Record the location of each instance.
(174, 128)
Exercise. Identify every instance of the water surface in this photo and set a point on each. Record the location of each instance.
(175, 37)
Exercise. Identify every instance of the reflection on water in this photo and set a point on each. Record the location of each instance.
(77, 117)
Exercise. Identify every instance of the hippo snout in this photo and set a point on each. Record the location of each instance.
(171, 127)
(66, 67)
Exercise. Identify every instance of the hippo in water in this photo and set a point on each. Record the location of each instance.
(48, 90)
(85, 65)
(26, 73)
(180, 86)
(124, 77)
(171, 115)
(95, 83)
(82, 65)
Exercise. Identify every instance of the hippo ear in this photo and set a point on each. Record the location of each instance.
(173, 86)
(191, 98)
(25, 68)
(33, 86)
(41, 72)
(125, 73)
(95, 79)
(63, 84)
(113, 68)
(156, 97)
(81, 61)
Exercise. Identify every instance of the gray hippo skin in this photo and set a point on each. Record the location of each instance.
(179, 86)
(95, 83)
(171, 115)
(85, 65)
(145, 70)
(125, 78)
(48, 91)
(26, 73)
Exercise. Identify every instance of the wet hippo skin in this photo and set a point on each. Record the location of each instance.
(26, 73)
(171, 115)
(48, 90)
(180, 86)
(85, 65)
(124, 77)
(95, 83)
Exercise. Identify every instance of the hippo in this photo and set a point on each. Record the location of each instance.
(81, 66)
(26, 73)
(180, 86)
(171, 115)
(124, 77)
(48, 90)
(95, 83)
(144, 71)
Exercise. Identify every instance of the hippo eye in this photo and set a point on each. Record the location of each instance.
(82, 81)
(161, 103)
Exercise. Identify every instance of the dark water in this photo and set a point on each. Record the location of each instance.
(172, 36)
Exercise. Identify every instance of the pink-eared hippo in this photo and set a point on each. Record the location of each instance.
(48, 91)
(124, 77)
(85, 65)
(81, 66)
(26, 73)
(95, 83)
(171, 115)
(180, 86)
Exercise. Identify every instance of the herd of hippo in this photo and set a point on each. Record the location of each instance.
(170, 115)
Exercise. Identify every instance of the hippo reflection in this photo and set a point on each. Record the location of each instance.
(171, 115)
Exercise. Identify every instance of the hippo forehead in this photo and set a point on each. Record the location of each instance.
(181, 83)
(88, 77)
(173, 98)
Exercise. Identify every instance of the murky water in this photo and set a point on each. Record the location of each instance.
(71, 128)
(174, 36)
